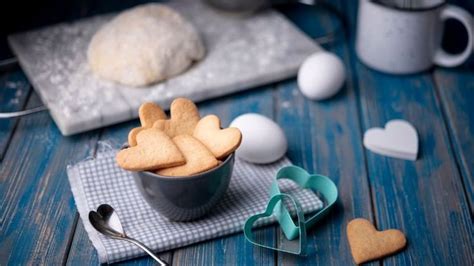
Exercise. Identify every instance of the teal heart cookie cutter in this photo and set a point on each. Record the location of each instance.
(276, 200)
(302, 178)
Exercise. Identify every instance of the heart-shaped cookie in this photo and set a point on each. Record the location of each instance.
(184, 117)
(399, 139)
(221, 142)
(132, 136)
(274, 205)
(198, 158)
(154, 150)
(148, 114)
(367, 243)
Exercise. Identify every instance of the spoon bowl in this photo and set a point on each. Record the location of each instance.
(106, 221)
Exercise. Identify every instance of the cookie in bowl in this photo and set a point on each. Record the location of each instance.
(182, 165)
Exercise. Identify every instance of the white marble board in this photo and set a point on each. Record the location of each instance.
(241, 53)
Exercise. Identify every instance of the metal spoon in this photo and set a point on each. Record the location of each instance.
(106, 221)
(23, 113)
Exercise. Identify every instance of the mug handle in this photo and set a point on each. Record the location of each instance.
(441, 57)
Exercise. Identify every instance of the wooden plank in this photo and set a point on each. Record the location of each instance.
(81, 252)
(456, 90)
(37, 208)
(14, 90)
(233, 250)
(324, 137)
(425, 199)
(422, 198)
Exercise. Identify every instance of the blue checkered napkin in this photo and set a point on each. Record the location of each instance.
(100, 180)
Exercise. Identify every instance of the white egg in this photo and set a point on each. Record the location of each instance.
(321, 76)
(263, 141)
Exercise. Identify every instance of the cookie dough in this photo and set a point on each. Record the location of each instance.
(144, 45)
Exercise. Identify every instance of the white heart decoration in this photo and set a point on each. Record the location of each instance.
(399, 140)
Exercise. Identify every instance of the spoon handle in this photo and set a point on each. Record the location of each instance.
(23, 113)
(147, 250)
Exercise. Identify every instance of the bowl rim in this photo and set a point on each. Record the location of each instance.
(195, 176)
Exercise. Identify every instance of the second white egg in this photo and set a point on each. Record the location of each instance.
(263, 141)
(321, 76)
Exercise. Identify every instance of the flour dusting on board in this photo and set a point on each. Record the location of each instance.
(241, 53)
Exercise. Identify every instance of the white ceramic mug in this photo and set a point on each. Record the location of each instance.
(402, 40)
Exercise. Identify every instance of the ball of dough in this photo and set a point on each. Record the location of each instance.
(144, 45)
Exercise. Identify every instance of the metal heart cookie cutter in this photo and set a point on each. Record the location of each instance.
(319, 183)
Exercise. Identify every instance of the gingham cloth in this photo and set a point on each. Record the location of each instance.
(100, 180)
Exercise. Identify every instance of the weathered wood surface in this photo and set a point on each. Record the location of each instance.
(430, 199)
(324, 137)
(456, 92)
(425, 198)
(14, 90)
(37, 208)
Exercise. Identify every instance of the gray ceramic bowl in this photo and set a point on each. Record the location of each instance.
(185, 198)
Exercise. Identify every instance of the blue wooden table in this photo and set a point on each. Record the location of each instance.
(431, 200)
